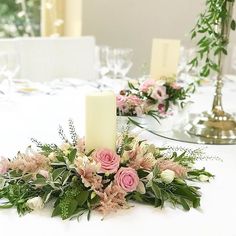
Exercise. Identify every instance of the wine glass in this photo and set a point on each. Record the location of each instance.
(101, 60)
(111, 61)
(123, 61)
(10, 66)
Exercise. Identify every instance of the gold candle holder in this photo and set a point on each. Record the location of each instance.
(217, 126)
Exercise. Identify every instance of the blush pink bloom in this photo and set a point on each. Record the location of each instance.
(159, 93)
(44, 173)
(80, 146)
(4, 165)
(176, 86)
(120, 101)
(161, 108)
(108, 160)
(144, 87)
(134, 100)
(127, 178)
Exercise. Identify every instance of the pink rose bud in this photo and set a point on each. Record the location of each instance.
(108, 160)
(127, 178)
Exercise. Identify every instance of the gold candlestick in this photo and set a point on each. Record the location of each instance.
(217, 126)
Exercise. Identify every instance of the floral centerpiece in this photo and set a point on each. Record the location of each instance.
(100, 180)
(155, 98)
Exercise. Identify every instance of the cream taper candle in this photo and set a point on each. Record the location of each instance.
(100, 120)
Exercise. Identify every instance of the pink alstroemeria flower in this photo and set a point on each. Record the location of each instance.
(159, 93)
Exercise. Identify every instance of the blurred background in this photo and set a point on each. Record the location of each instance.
(117, 23)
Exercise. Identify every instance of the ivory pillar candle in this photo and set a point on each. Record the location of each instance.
(100, 120)
(165, 58)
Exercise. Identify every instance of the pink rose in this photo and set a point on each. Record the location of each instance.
(144, 87)
(120, 101)
(127, 178)
(108, 160)
(159, 93)
(134, 100)
(4, 165)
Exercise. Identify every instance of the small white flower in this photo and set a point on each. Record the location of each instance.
(52, 156)
(35, 203)
(203, 178)
(167, 176)
(65, 146)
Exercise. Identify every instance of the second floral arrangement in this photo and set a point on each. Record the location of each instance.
(156, 98)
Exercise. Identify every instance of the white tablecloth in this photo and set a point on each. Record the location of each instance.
(39, 115)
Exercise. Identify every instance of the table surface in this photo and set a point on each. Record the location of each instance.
(38, 115)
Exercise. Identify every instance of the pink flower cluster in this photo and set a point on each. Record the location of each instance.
(151, 95)
(133, 103)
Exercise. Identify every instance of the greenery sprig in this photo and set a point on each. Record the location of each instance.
(212, 36)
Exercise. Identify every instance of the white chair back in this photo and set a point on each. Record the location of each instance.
(44, 59)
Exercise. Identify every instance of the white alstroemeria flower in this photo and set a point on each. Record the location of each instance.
(35, 203)
(167, 176)
(203, 178)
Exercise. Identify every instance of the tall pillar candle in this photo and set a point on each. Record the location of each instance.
(100, 120)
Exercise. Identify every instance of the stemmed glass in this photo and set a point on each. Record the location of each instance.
(123, 62)
(101, 59)
(9, 67)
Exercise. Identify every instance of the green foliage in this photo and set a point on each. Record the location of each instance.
(212, 34)
(19, 18)
(17, 194)
(72, 202)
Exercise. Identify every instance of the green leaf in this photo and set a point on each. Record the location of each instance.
(56, 211)
(72, 155)
(39, 181)
(65, 177)
(6, 206)
(71, 209)
(233, 25)
(184, 204)
(156, 190)
(82, 198)
(2, 183)
(58, 172)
